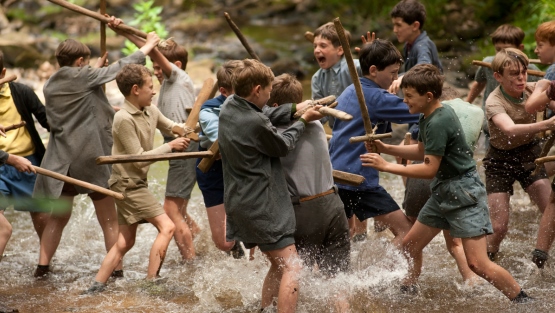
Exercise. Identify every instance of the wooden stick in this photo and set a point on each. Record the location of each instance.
(543, 158)
(488, 65)
(335, 113)
(130, 158)
(97, 16)
(8, 78)
(537, 61)
(103, 34)
(15, 126)
(323, 101)
(79, 183)
(206, 163)
(356, 82)
(241, 37)
(366, 137)
(406, 143)
(347, 178)
(309, 36)
(203, 96)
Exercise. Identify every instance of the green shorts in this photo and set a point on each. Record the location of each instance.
(460, 205)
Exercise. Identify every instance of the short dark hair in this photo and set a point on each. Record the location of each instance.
(70, 50)
(410, 11)
(380, 53)
(225, 73)
(1, 60)
(328, 31)
(249, 75)
(424, 78)
(286, 89)
(174, 52)
(508, 34)
(130, 75)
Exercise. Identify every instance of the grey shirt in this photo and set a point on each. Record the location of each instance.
(422, 51)
(258, 206)
(80, 119)
(176, 94)
(307, 168)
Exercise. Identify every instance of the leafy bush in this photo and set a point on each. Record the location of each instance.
(147, 17)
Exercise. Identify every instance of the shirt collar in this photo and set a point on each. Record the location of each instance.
(129, 107)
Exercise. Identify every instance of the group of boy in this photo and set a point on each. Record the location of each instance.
(259, 194)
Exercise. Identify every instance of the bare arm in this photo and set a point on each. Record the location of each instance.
(409, 152)
(509, 128)
(539, 100)
(426, 170)
(475, 90)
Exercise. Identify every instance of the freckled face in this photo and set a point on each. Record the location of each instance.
(325, 53)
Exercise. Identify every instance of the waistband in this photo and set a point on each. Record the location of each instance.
(298, 200)
(438, 181)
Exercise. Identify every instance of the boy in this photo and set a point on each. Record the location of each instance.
(545, 47)
(458, 201)
(322, 231)
(542, 98)
(331, 79)
(513, 147)
(257, 203)
(408, 17)
(133, 130)
(380, 62)
(505, 36)
(20, 103)
(176, 94)
(81, 119)
(211, 183)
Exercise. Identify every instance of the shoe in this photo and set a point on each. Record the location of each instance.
(539, 257)
(492, 255)
(42, 271)
(359, 237)
(96, 287)
(409, 289)
(5, 309)
(117, 274)
(522, 297)
(237, 251)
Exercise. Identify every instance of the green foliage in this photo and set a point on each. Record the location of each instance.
(529, 17)
(147, 17)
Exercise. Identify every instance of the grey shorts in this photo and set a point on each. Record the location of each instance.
(282, 242)
(182, 174)
(460, 205)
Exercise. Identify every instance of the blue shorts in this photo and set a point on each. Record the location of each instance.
(367, 203)
(211, 183)
(459, 204)
(16, 184)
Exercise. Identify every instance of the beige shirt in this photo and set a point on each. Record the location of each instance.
(496, 104)
(133, 133)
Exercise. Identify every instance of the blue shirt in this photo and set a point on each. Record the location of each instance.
(422, 51)
(384, 109)
(208, 120)
(550, 73)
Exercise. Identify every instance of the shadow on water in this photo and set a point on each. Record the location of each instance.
(216, 282)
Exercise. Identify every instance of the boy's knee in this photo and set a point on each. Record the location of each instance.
(6, 230)
(500, 228)
(168, 229)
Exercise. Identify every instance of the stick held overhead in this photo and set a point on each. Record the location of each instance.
(241, 37)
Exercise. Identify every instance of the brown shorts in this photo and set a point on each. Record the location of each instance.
(503, 167)
(139, 203)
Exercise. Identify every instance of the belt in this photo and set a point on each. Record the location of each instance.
(297, 200)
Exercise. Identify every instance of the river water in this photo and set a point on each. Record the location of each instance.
(215, 282)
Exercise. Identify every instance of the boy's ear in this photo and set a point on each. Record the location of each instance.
(373, 70)
(178, 63)
(3, 73)
(521, 47)
(275, 105)
(415, 26)
(497, 76)
(135, 89)
(430, 96)
(340, 50)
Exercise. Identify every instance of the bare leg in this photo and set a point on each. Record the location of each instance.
(546, 232)
(193, 226)
(398, 223)
(159, 248)
(126, 240)
(182, 234)
(108, 219)
(361, 227)
(5, 233)
(478, 261)
(289, 264)
(414, 242)
(52, 234)
(499, 214)
(217, 221)
(39, 222)
(455, 248)
(539, 193)
(270, 288)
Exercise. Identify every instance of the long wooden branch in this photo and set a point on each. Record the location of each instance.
(347, 178)
(192, 120)
(488, 65)
(241, 37)
(80, 183)
(97, 16)
(129, 158)
(543, 158)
